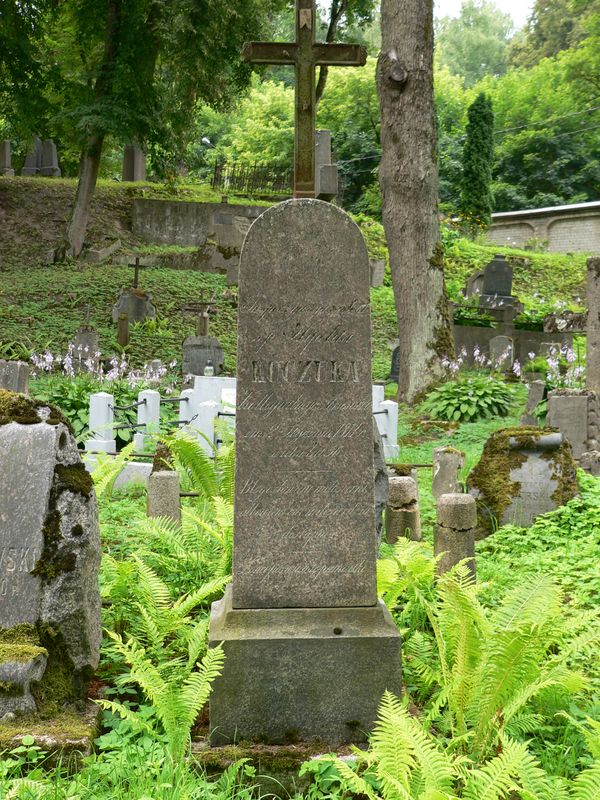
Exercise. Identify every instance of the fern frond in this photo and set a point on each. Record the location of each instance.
(109, 469)
(151, 587)
(135, 719)
(352, 782)
(188, 602)
(190, 454)
(586, 785)
(197, 686)
(531, 603)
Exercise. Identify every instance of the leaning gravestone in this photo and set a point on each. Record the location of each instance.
(309, 648)
(49, 560)
(523, 472)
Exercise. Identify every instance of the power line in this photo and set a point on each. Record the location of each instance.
(552, 119)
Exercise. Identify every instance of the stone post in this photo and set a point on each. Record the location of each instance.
(163, 498)
(185, 406)
(390, 429)
(134, 163)
(148, 415)
(203, 423)
(14, 376)
(447, 463)
(534, 398)
(402, 517)
(102, 416)
(454, 532)
(5, 159)
(593, 325)
(123, 330)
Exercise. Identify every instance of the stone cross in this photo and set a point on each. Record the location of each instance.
(305, 54)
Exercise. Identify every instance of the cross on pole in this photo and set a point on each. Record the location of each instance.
(136, 275)
(305, 54)
(203, 309)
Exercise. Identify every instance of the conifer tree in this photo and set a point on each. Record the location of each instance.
(478, 154)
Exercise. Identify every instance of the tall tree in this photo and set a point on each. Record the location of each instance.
(478, 159)
(474, 44)
(144, 65)
(409, 186)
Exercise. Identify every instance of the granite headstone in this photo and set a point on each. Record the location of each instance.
(5, 159)
(33, 159)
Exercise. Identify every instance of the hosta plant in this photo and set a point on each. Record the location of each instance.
(469, 398)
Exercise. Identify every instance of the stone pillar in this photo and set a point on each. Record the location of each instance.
(326, 173)
(382, 482)
(102, 419)
(163, 498)
(33, 159)
(390, 426)
(402, 517)
(202, 422)
(447, 463)
(309, 648)
(5, 159)
(593, 325)
(134, 163)
(454, 532)
(123, 330)
(148, 415)
(49, 167)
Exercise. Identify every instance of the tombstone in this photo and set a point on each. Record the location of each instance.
(382, 484)
(474, 286)
(198, 351)
(309, 648)
(402, 517)
(497, 284)
(14, 376)
(134, 163)
(33, 159)
(135, 304)
(568, 410)
(49, 562)
(326, 173)
(501, 352)
(377, 272)
(454, 532)
(86, 349)
(5, 159)
(537, 390)
(447, 463)
(593, 326)
(523, 472)
(49, 167)
(395, 368)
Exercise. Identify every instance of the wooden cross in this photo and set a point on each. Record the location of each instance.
(203, 309)
(306, 54)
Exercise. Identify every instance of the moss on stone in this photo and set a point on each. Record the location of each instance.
(20, 653)
(20, 644)
(74, 478)
(565, 474)
(163, 459)
(25, 410)
(60, 684)
(67, 732)
(402, 470)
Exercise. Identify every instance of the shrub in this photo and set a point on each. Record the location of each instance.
(469, 398)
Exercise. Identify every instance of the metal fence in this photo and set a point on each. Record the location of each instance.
(252, 179)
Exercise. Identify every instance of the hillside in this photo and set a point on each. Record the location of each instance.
(42, 304)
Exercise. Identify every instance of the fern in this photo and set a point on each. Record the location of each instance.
(586, 785)
(108, 470)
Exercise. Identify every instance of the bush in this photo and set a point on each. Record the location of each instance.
(468, 399)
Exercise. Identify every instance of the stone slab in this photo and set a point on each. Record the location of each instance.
(198, 351)
(569, 413)
(304, 518)
(302, 674)
(136, 304)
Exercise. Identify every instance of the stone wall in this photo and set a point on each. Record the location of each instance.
(567, 229)
(182, 223)
(524, 342)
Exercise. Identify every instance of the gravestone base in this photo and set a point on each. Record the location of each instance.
(300, 674)
(69, 734)
(198, 351)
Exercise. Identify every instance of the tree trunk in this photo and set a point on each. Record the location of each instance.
(89, 165)
(338, 9)
(92, 150)
(409, 187)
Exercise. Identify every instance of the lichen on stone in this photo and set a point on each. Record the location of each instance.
(25, 410)
(20, 644)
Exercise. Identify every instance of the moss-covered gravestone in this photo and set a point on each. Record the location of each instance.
(49, 560)
(523, 472)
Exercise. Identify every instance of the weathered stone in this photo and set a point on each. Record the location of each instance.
(454, 532)
(537, 390)
(377, 272)
(497, 282)
(326, 173)
(402, 515)
(49, 167)
(593, 326)
(136, 304)
(33, 159)
(298, 674)
(308, 647)
(395, 368)
(590, 462)
(447, 464)
(5, 159)
(96, 255)
(14, 376)
(163, 495)
(49, 559)
(198, 351)
(86, 350)
(568, 411)
(474, 286)
(501, 352)
(523, 472)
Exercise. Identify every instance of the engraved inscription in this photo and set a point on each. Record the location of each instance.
(305, 372)
(17, 559)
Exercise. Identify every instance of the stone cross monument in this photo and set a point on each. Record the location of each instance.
(309, 648)
(305, 54)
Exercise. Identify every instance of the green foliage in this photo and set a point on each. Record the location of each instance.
(469, 398)
(478, 155)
